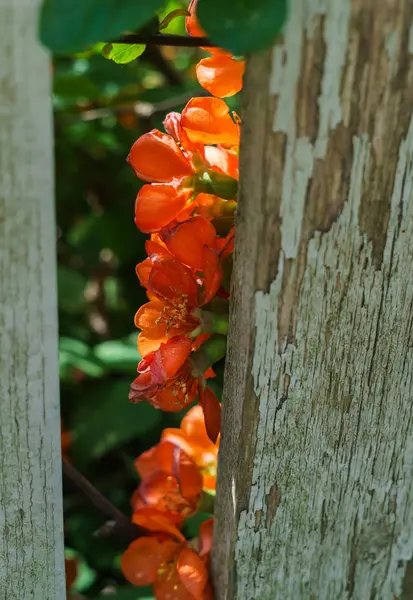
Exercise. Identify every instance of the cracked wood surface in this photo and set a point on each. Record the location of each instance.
(315, 484)
(31, 524)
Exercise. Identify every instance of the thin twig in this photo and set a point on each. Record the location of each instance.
(164, 39)
(144, 110)
(122, 524)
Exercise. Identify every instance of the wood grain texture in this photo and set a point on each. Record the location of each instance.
(315, 484)
(31, 524)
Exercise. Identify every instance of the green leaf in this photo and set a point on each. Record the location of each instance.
(71, 25)
(122, 54)
(75, 355)
(71, 288)
(106, 420)
(192, 524)
(242, 26)
(119, 355)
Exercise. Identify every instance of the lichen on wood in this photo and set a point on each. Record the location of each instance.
(315, 490)
(31, 523)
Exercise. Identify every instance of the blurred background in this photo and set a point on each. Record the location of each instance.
(100, 109)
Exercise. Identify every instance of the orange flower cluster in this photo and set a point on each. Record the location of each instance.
(192, 172)
(191, 180)
(173, 475)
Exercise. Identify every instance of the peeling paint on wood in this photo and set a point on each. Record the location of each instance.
(31, 523)
(317, 447)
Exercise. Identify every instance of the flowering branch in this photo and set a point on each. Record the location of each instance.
(191, 175)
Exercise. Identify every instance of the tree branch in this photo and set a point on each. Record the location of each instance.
(123, 525)
(163, 39)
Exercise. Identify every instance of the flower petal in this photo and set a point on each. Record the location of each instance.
(158, 458)
(158, 204)
(222, 160)
(150, 341)
(164, 492)
(153, 519)
(157, 368)
(155, 156)
(187, 475)
(174, 354)
(168, 586)
(187, 240)
(221, 75)
(173, 126)
(212, 413)
(192, 436)
(148, 319)
(192, 572)
(142, 560)
(205, 533)
(208, 120)
(212, 275)
(173, 282)
(180, 392)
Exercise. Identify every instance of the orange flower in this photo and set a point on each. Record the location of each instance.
(146, 556)
(164, 376)
(172, 310)
(208, 120)
(176, 292)
(176, 489)
(188, 241)
(167, 379)
(176, 571)
(159, 321)
(157, 204)
(220, 74)
(156, 157)
(192, 437)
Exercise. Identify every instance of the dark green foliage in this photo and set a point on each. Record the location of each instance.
(106, 420)
(242, 26)
(72, 25)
